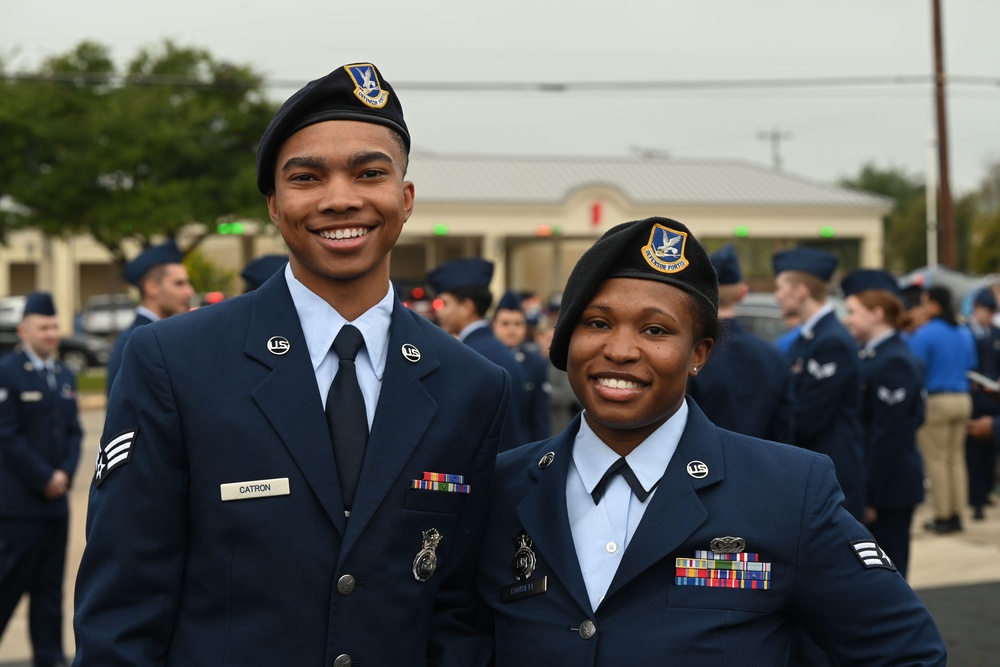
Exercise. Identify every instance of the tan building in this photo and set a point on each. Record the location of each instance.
(534, 217)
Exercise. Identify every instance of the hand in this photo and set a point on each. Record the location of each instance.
(57, 486)
(871, 515)
(981, 428)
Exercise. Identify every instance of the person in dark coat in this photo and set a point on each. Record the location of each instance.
(893, 409)
(511, 328)
(40, 438)
(981, 453)
(746, 386)
(644, 535)
(259, 269)
(299, 475)
(164, 288)
(463, 285)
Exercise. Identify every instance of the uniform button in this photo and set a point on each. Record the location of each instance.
(611, 547)
(342, 660)
(345, 585)
(588, 629)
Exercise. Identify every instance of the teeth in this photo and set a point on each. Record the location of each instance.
(617, 384)
(354, 232)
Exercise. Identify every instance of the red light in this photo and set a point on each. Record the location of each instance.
(418, 293)
(214, 297)
(438, 304)
(596, 213)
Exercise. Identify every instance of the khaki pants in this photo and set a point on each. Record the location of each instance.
(942, 444)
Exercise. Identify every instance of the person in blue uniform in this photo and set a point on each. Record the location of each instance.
(164, 289)
(826, 371)
(299, 475)
(981, 453)
(463, 285)
(510, 326)
(644, 534)
(893, 408)
(39, 448)
(746, 387)
(947, 351)
(258, 270)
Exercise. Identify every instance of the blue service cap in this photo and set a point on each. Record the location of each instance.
(459, 273)
(861, 280)
(509, 301)
(352, 92)
(39, 303)
(257, 271)
(165, 253)
(984, 299)
(727, 265)
(819, 263)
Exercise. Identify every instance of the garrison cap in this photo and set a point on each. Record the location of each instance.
(257, 271)
(984, 299)
(819, 263)
(509, 301)
(658, 249)
(727, 265)
(860, 280)
(460, 273)
(39, 303)
(352, 92)
(165, 253)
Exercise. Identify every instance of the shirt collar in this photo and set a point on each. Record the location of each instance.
(648, 461)
(475, 326)
(37, 361)
(321, 323)
(809, 324)
(146, 312)
(878, 340)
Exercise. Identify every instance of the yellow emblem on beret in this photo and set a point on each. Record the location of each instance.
(665, 250)
(366, 85)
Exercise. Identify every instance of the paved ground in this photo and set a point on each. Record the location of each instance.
(957, 576)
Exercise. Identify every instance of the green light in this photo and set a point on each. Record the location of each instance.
(741, 231)
(440, 229)
(557, 231)
(826, 231)
(235, 228)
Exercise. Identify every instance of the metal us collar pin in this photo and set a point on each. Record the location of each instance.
(546, 460)
(425, 562)
(697, 469)
(278, 345)
(411, 353)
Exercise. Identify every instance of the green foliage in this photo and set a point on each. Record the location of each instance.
(984, 253)
(206, 276)
(136, 154)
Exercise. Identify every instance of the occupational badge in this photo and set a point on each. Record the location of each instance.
(426, 560)
(524, 558)
(367, 88)
(523, 566)
(727, 545)
(665, 250)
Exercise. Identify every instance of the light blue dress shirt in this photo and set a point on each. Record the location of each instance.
(602, 532)
(320, 325)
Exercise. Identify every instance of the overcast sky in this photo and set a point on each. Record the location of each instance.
(833, 130)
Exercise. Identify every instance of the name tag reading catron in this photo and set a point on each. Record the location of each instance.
(258, 488)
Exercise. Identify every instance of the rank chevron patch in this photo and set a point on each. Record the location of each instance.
(871, 555)
(890, 397)
(821, 371)
(113, 454)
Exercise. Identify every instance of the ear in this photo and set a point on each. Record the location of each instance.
(272, 207)
(699, 355)
(409, 192)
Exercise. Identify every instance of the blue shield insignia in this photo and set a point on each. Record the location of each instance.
(665, 250)
(366, 85)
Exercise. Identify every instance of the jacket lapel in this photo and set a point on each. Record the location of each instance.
(675, 511)
(405, 410)
(545, 519)
(288, 397)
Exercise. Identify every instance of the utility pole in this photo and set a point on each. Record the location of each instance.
(775, 136)
(946, 213)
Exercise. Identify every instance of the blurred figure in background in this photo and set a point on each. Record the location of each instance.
(510, 327)
(947, 351)
(893, 409)
(258, 270)
(981, 452)
(164, 290)
(563, 403)
(745, 386)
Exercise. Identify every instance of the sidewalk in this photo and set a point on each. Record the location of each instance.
(947, 571)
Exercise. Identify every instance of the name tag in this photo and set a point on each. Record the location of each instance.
(31, 396)
(524, 589)
(259, 488)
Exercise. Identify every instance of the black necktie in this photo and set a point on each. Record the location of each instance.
(621, 467)
(345, 413)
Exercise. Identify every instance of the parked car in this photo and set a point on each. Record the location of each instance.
(79, 351)
(107, 314)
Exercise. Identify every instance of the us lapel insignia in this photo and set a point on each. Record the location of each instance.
(426, 560)
(278, 345)
(523, 566)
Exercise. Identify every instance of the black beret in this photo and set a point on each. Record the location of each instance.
(257, 271)
(39, 303)
(860, 280)
(351, 92)
(657, 249)
(165, 253)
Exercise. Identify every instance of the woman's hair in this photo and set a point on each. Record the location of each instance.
(706, 318)
(895, 315)
(942, 297)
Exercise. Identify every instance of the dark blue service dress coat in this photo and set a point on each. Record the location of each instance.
(483, 341)
(216, 529)
(538, 392)
(746, 386)
(826, 388)
(783, 501)
(115, 359)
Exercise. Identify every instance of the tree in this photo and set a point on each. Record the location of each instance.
(984, 253)
(133, 155)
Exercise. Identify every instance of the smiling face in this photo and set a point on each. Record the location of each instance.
(340, 202)
(630, 356)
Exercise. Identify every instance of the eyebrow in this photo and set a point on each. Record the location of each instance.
(645, 311)
(320, 164)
